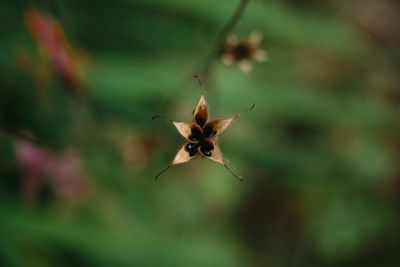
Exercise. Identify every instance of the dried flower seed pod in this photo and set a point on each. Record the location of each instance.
(243, 52)
(201, 135)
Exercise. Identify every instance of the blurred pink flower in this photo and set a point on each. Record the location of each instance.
(52, 41)
(67, 177)
(41, 166)
(32, 158)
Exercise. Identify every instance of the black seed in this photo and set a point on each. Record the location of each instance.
(209, 131)
(200, 121)
(192, 149)
(196, 134)
(207, 153)
(206, 148)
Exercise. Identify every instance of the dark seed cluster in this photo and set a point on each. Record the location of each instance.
(209, 132)
(242, 51)
(199, 139)
(192, 148)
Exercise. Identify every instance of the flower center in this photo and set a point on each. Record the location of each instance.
(242, 51)
(196, 135)
(199, 139)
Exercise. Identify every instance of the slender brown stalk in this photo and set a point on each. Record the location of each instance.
(227, 29)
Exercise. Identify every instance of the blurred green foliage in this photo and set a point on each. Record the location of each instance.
(319, 153)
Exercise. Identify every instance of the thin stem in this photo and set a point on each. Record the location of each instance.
(245, 111)
(200, 84)
(229, 26)
(160, 117)
(161, 172)
(234, 174)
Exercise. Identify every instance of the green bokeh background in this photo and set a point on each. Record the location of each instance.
(319, 154)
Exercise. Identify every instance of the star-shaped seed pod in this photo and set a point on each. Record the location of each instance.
(243, 51)
(201, 135)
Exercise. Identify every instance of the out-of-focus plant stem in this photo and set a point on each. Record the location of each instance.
(226, 30)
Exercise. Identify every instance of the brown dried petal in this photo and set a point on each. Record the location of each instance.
(260, 55)
(255, 38)
(201, 112)
(232, 40)
(245, 65)
(184, 128)
(182, 156)
(216, 155)
(227, 59)
(216, 127)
